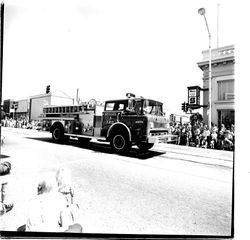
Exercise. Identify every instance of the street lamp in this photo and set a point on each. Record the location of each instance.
(202, 12)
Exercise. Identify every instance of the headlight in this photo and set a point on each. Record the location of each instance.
(151, 125)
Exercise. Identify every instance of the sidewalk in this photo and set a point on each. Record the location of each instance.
(199, 155)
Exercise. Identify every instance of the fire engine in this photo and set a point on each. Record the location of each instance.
(123, 123)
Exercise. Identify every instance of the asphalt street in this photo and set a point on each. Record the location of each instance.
(169, 190)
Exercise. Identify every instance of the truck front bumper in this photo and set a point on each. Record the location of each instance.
(162, 138)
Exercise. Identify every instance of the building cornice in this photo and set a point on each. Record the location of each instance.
(217, 61)
(222, 55)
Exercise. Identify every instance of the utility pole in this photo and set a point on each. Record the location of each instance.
(218, 12)
(202, 12)
(1, 54)
(77, 95)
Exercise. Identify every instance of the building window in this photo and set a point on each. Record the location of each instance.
(226, 90)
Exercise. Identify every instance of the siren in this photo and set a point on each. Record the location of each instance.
(130, 95)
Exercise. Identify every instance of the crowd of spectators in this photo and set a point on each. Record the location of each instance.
(199, 135)
(21, 123)
(196, 134)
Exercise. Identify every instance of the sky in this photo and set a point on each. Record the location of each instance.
(109, 48)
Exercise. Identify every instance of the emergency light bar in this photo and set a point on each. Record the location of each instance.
(130, 95)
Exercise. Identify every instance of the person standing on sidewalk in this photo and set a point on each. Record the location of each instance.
(5, 168)
(213, 139)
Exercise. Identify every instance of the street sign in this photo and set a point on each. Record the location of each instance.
(194, 97)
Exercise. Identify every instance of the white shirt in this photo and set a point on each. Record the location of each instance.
(47, 212)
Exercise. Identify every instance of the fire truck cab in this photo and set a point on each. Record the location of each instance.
(122, 123)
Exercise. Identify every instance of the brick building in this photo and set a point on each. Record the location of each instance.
(7, 106)
(16, 109)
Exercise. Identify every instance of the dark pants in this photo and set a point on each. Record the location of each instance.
(5, 168)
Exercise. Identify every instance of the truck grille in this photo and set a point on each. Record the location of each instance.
(158, 132)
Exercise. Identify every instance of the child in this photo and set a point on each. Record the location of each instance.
(213, 138)
(63, 178)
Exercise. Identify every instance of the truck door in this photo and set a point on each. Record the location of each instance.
(112, 113)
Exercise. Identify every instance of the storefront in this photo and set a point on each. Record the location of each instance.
(223, 82)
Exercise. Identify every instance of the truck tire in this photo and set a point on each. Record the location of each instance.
(58, 134)
(145, 146)
(120, 142)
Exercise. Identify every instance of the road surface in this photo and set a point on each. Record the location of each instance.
(169, 190)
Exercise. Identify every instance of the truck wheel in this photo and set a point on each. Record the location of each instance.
(120, 143)
(145, 146)
(58, 134)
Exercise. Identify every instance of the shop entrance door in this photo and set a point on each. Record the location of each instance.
(226, 117)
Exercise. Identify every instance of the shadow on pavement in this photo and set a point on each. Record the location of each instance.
(3, 156)
(104, 148)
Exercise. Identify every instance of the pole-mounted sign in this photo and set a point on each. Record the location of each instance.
(194, 97)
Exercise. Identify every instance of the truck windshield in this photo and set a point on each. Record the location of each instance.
(152, 107)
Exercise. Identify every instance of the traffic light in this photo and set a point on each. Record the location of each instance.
(183, 106)
(15, 105)
(186, 107)
(48, 89)
(172, 117)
